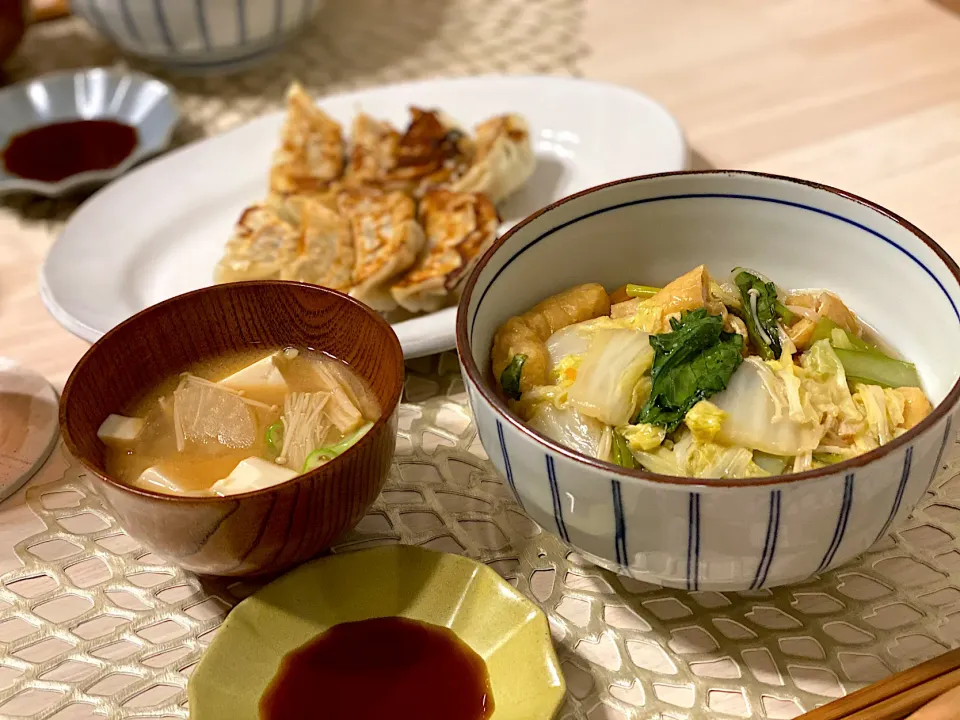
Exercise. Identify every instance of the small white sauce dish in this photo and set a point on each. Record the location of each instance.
(137, 100)
(704, 534)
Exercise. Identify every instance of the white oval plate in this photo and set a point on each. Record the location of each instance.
(160, 230)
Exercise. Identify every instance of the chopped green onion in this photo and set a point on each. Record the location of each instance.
(621, 452)
(641, 291)
(874, 368)
(510, 377)
(317, 458)
(274, 437)
(321, 455)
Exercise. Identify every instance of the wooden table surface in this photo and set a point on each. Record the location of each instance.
(861, 94)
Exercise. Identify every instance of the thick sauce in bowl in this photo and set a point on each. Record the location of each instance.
(53, 152)
(381, 668)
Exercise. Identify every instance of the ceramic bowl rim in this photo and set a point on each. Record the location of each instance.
(476, 376)
(15, 183)
(361, 445)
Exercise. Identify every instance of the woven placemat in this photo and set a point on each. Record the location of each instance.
(94, 626)
(351, 44)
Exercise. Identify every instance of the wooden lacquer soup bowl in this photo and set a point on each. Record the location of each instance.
(258, 532)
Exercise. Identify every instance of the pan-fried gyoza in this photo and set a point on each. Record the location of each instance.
(702, 379)
(394, 218)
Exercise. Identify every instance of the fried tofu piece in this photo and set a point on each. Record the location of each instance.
(688, 292)
(527, 334)
(387, 240)
(830, 306)
(459, 227)
(626, 308)
(802, 299)
(504, 159)
(827, 305)
(916, 406)
(262, 245)
(801, 332)
(311, 152)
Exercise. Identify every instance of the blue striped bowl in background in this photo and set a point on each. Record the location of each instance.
(703, 534)
(198, 35)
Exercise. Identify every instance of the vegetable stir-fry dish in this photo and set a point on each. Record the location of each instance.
(705, 379)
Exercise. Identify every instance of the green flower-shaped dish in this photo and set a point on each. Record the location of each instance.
(508, 631)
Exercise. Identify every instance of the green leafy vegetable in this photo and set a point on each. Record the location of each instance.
(863, 362)
(621, 452)
(874, 368)
(274, 437)
(762, 310)
(641, 291)
(321, 455)
(785, 314)
(691, 364)
(510, 377)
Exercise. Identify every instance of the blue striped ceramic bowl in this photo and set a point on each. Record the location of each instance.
(716, 534)
(198, 35)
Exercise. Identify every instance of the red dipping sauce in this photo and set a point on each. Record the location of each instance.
(53, 152)
(381, 668)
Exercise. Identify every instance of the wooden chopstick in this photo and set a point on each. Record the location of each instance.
(50, 9)
(903, 704)
(901, 693)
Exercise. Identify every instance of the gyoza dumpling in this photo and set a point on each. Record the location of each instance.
(311, 151)
(432, 152)
(263, 244)
(459, 227)
(326, 255)
(327, 198)
(386, 238)
(504, 160)
(373, 148)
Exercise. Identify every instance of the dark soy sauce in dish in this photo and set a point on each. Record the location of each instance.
(380, 668)
(53, 152)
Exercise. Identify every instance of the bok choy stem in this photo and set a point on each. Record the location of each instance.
(825, 329)
(621, 452)
(874, 368)
(863, 362)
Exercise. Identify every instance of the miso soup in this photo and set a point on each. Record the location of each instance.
(239, 423)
